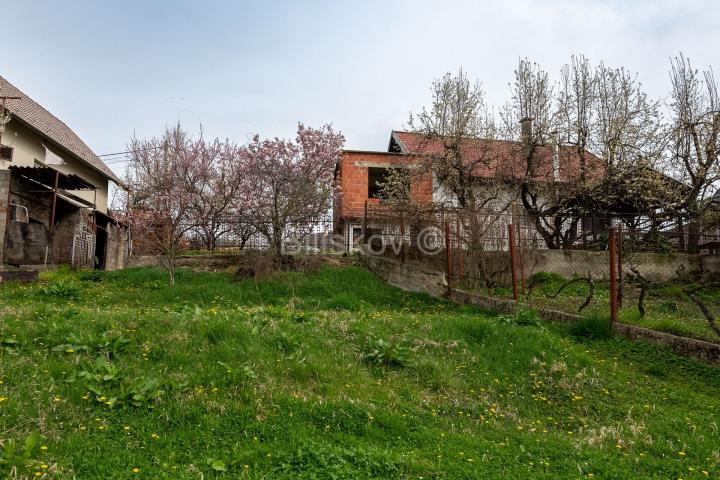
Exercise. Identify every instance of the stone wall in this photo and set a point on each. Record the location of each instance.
(27, 244)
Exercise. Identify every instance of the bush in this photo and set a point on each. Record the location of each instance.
(523, 316)
(61, 288)
(541, 278)
(386, 353)
(593, 326)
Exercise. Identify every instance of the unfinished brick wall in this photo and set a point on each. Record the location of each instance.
(353, 179)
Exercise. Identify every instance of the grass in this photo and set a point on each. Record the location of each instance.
(330, 374)
(668, 308)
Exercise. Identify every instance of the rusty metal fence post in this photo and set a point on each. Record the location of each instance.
(511, 248)
(459, 250)
(619, 264)
(448, 258)
(612, 253)
(521, 259)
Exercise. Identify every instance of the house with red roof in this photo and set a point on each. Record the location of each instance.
(360, 174)
(53, 192)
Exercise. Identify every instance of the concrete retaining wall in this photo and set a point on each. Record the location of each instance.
(656, 267)
(412, 275)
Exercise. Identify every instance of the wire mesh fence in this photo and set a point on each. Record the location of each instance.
(231, 236)
(630, 268)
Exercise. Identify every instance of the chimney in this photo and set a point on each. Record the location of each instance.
(526, 129)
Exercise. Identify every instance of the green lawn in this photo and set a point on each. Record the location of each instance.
(667, 307)
(330, 374)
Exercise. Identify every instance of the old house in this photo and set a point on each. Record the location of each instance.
(497, 164)
(53, 192)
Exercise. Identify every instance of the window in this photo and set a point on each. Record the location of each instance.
(6, 153)
(377, 176)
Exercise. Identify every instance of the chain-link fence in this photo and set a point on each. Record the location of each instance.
(631, 268)
(231, 236)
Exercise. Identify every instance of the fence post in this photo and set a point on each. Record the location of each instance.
(511, 248)
(448, 258)
(619, 264)
(402, 238)
(612, 239)
(521, 259)
(459, 252)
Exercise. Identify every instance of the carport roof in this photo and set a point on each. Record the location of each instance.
(46, 176)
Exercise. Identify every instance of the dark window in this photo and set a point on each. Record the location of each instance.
(377, 176)
(6, 153)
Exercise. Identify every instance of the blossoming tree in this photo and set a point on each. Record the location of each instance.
(291, 181)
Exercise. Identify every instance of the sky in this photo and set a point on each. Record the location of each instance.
(113, 70)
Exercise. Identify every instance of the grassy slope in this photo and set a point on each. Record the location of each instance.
(269, 380)
(668, 309)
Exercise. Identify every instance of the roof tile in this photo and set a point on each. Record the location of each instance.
(30, 112)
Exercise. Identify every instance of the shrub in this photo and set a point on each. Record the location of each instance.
(593, 326)
(386, 353)
(522, 316)
(541, 278)
(61, 288)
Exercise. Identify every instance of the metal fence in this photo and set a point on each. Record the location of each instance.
(631, 268)
(230, 236)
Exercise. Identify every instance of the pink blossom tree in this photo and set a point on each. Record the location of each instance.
(161, 181)
(291, 181)
(214, 193)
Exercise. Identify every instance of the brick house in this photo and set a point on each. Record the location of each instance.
(53, 192)
(358, 173)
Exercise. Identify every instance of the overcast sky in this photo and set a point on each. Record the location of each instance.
(112, 69)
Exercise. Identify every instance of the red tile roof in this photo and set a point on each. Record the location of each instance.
(50, 126)
(502, 158)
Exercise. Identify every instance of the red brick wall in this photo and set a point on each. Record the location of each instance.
(353, 179)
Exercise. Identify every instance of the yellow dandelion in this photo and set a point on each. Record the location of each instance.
(44, 447)
(154, 436)
(135, 470)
